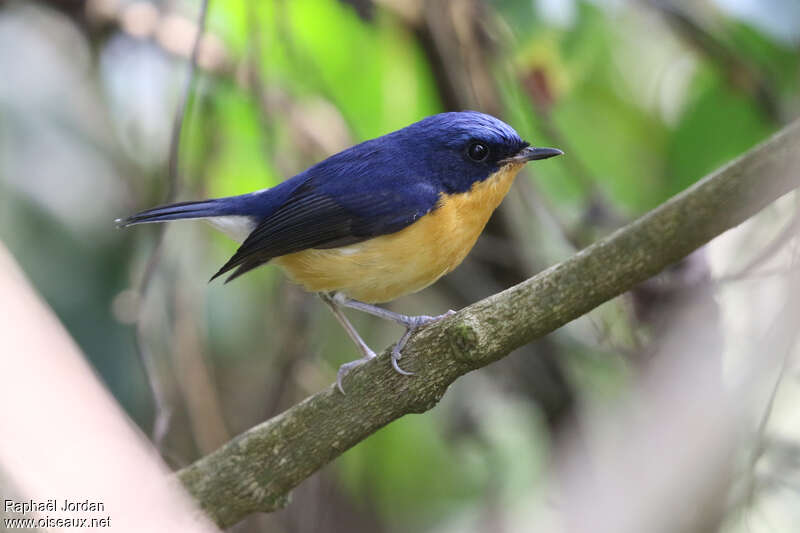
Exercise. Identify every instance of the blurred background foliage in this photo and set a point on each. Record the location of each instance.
(644, 97)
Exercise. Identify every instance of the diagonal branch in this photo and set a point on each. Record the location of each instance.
(256, 470)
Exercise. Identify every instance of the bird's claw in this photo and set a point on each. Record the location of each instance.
(396, 354)
(347, 367)
(395, 358)
(414, 323)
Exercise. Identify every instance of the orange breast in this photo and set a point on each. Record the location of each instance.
(389, 266)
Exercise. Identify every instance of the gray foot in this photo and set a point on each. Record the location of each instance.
(347, 367)
(412, 323)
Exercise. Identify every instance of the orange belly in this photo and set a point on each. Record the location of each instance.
(387, 267)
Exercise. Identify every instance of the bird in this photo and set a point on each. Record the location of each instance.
(376, 221)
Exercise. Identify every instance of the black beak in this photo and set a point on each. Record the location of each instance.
(533, 154)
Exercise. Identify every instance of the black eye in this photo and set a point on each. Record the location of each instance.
(478, 151)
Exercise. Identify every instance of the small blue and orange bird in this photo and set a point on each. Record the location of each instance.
(384, 218)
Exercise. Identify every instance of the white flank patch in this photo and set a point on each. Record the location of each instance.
(349, 250)
(234, 226)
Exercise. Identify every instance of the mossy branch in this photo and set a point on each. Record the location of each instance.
(256, 470)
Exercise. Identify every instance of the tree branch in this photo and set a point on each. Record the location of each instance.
(256, 470)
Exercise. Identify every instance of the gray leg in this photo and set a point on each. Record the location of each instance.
(411, 323)
(365, 350)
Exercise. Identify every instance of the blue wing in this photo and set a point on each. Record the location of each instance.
(329, 210)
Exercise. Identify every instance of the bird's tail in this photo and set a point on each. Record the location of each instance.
(255, 206)
(199, 209)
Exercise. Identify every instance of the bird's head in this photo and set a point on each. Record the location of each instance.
(461, 148)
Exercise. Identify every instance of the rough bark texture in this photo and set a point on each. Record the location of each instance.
(256, 470)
